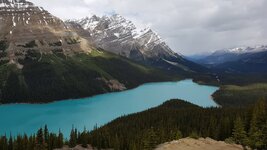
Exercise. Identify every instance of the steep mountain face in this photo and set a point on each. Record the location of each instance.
(25, 27)
(120, 36)
(43, 60)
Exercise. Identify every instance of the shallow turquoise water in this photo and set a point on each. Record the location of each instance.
(100, 109)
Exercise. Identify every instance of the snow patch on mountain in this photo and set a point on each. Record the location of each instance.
(124, 28)
(25, 27)
(22, 11)
(121, 36)
(243, 49)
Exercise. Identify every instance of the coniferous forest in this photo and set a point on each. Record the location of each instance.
(170, 121)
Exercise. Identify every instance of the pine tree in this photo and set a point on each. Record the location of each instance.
(4, 143)
(40, 137)
(10, 143)
(84, 138)
(40, 145)
(25, 142)
(73, 138)
(60, 139)
(46, 134)
(19, 142)
(76, 135)
(239, 133)
(31, 142)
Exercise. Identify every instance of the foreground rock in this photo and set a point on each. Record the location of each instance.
(200, 144)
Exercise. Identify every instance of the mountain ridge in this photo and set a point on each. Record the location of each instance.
(120, 36)
(230, 54)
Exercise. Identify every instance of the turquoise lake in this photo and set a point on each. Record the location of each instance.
(100, 109)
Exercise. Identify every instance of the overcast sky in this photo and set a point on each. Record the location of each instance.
(188, 26)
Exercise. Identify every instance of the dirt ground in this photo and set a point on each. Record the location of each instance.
(200, 144)
(78, 147)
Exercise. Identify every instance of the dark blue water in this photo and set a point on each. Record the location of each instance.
(101, 109)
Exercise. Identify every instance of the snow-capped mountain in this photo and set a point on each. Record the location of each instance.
(19, 16)
(119, 35)
(108, 32)
(25, 27)
(231, 54)
(242, 50)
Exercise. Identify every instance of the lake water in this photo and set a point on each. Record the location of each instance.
(100, 109)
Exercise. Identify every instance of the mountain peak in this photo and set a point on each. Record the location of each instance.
(16, 14)
(15, 4)
(13, 1)
(26, 28)
(117, 17)
(119, 35)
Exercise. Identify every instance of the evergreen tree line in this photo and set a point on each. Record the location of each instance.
(252, 132)
(172, 120)
(42, 140)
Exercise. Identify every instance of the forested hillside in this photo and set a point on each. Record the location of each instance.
(238, 96)
(46, 78)
(176, 119)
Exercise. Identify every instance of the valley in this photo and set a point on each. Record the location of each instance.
(110, 82)
(46, 59)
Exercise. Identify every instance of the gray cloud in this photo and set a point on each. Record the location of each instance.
(188, 26)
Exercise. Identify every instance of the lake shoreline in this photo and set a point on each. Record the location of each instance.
(127, 89)
(77, 98)
(100, 109)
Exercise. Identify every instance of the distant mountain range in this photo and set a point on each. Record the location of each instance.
(43, 58)
(236, 60)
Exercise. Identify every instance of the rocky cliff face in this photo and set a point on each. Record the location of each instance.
(25, 27)
(119, 35)
(116, 34)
